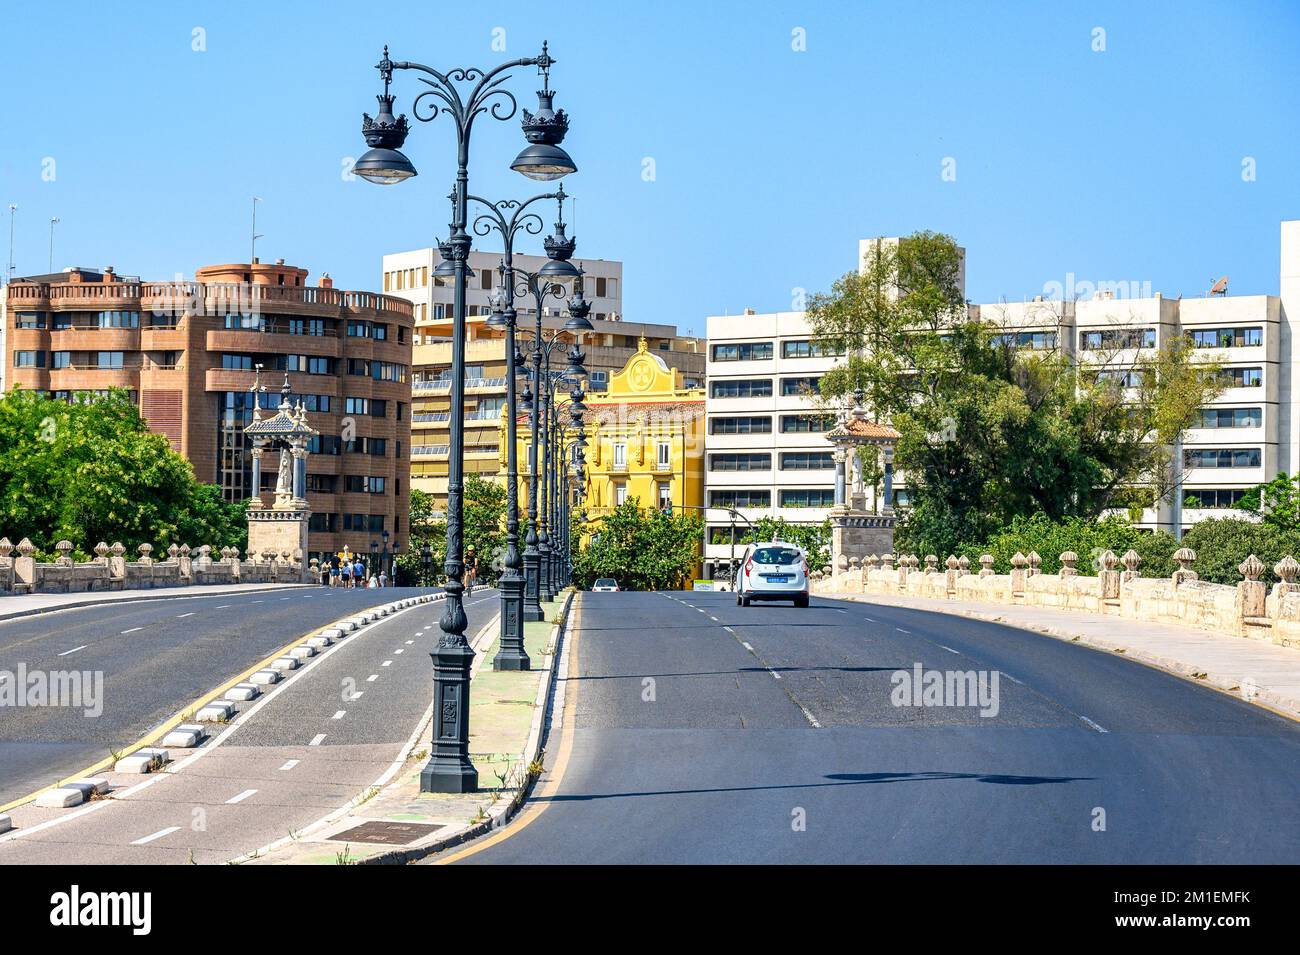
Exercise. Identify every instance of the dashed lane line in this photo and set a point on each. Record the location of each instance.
(289, 764)
(74, 650)
(156, 835)
(133, 630)
(317, 739)
(1097, 726)
(338, 715)
(240, 797)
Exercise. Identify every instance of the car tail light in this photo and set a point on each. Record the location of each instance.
(805, 568)
(749, 565)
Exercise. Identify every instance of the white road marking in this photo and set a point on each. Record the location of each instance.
(317, 739)
(284, 598)
(223, 607)
(74, 650)
(1097, 726)
(869, 619)
(901, 630)
(775, 674)
(182, 616)
(1011, 678)
(728, 629)
(838, 610)
(409, 642)
(372, 678)
(746, 646)
(133, 630)
(357, 695)
(386, 663)
(399, 650)
(157, 835)
(713, 618)
(289, 765)
(338, 715)
(949, 649)
(241, 797)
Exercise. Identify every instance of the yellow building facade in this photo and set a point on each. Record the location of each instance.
(645, 439)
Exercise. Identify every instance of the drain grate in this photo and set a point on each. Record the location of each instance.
(387, 833)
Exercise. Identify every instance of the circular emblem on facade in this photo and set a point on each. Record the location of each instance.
(642, 374)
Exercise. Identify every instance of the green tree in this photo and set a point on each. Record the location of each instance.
(642, 550)
(93, 471)
(1085, 537)
(1222, 544)
(483, 528)
(991, 430)
(1276, 503)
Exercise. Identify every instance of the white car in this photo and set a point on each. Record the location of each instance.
(604, 585)
(773, 570)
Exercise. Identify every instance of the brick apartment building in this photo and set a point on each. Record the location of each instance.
(188, 354)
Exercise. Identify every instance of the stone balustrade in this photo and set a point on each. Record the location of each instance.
(1248, 609)
(180, 566)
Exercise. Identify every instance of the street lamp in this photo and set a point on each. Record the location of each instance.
(383, 558)
(426, 558)
(449, 768)
(374, 553)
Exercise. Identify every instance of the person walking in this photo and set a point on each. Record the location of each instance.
(358, 573)
(345, 574)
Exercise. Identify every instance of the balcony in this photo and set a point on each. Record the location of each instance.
(435, 417)
(430, 450)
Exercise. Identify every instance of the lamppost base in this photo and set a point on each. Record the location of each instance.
(533, 614)
(448, 776)
(511, 654)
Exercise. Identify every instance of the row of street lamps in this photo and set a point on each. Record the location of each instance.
(464, 93)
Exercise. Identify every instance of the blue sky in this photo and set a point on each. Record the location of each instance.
(770, 162)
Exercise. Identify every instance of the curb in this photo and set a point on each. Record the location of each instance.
(1274, 702)
(156, 593)
(498, 816)
(347, 624)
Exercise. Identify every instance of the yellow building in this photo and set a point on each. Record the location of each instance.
(645, 439)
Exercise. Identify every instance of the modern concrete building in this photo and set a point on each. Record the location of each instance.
(608, 348)
(188, 354)
(767, 454)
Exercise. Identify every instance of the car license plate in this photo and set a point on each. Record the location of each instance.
(777, 578)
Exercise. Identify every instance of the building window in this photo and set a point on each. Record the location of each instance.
(29, 359)
(803, 385)
(740, 462)
(60, 359)
(806, 423)
(109, 359)
(741, 425)
(665, 496)
(1116, 338)
(620, 494)
(1228, 418)
(1213, 497)
(743, 351)
(30, 320)
(1035, 341)
(1227, 337)
(620, 455)
(598, 381)
(809, 349)
(1243, 377)
(741, 388)
(740, 498)
(1223, 458)
(663, 460)
(1123, 378)
(237, 362)
(807, 497)
(806, 461)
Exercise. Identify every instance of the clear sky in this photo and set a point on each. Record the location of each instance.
(769, 162)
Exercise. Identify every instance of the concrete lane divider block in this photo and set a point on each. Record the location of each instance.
(243, 692)
(264, 678)
(304, 652)
(185, 736)
(218, 711)
(147, 760)
(5, 823)
(319, 643)
(90, 785)
(61, 798)
(284, 664)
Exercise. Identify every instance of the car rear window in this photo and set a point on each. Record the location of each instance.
(776, 555)
(605, 582)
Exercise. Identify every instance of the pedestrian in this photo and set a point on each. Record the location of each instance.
(383, 578)
(345, 572)
(359, 572)
(334, 570)
(372, 582)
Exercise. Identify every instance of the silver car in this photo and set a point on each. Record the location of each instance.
(773, 570)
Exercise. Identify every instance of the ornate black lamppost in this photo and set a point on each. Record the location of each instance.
(426, 559)
(449, 768)
(511, 654)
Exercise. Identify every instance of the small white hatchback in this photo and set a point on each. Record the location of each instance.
(773, 570)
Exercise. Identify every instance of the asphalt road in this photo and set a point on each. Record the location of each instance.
(776, 741)
(320, 741)
(156, 657)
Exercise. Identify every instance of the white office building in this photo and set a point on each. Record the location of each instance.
(767, 454)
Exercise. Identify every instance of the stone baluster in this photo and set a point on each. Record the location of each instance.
(952, 573)
(886, 561)
(931, 564)
(117, 563)
(963, 564)
(25, 567)
(145, 550)
(1068, 561)
(64, 549)
(1108, 575)
(986, 565)
(1035, 564)
(1251, 592)
(1018, 562)
(1131, 561)
(185, 564)
(1185, 557)
(1286, 570)
(101, 553)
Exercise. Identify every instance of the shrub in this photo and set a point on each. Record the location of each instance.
(1222, 544)
(1087, 538)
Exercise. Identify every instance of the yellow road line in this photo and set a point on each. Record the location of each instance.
(159, 731)
(539, 803)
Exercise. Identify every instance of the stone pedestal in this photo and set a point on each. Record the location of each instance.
(282, 530)
(855, 534)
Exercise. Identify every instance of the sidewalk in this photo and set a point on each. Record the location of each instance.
(25, 605)
(506, 714)
(1259, 672)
